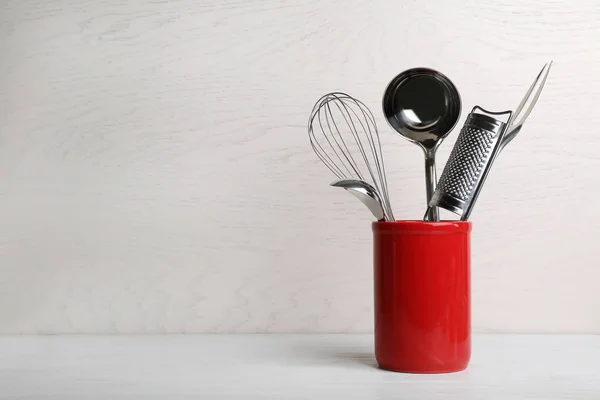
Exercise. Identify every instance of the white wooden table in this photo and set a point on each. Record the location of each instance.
(287, 367)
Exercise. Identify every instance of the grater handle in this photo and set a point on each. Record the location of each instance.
(498, 113)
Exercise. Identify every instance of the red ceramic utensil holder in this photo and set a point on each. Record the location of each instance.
(422, 295)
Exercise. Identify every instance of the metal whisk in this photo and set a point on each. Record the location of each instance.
(344, 135)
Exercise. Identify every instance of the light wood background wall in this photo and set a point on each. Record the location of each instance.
(156, 174)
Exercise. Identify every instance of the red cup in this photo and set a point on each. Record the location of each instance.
(422, 295)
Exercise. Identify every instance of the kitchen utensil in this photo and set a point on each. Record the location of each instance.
(366, 193)
(344, 135)
(515, 127)
(479, 143)
(423, 106)
(469, 161)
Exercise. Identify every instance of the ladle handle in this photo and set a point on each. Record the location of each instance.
(430, 180)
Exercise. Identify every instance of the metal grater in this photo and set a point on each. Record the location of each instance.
(469, 162)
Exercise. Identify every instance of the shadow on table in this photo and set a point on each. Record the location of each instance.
(335, 355)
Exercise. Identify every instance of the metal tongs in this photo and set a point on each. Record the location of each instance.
(513, 128)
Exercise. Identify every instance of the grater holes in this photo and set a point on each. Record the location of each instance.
(466, 162)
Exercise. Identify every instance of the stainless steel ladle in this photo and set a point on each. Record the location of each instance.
(423, 106)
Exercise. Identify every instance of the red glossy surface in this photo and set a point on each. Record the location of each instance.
(422, 295)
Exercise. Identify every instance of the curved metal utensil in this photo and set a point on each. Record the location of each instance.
(514, 127)
(423, 106)
(366, 193)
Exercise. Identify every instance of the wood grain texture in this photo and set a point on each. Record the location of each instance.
(156, 175)
(503, 367)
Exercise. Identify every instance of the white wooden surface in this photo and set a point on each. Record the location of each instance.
(156, 175)
(503, 367)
